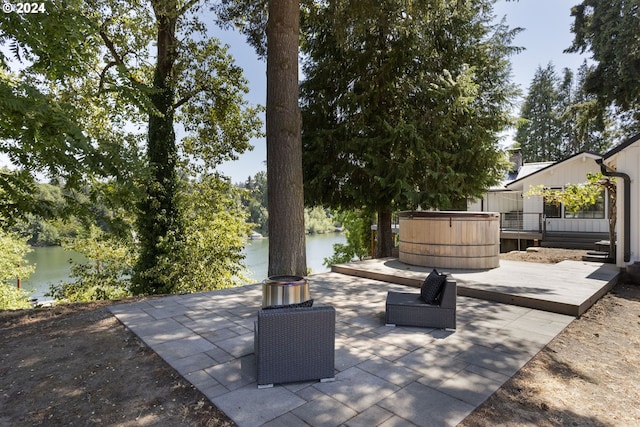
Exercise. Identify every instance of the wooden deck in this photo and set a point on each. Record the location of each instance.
(569, 287)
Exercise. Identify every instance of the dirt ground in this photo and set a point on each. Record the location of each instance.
(77, 365)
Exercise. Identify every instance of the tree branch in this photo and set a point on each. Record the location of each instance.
(187, 6)
(104, 73)
(187, 98)
(118, 59)
(112, 49)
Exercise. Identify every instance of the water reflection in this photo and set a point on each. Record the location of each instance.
(52, 263)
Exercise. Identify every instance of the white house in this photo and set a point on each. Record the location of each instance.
(623, 162)
(529, 219)
(572, 170)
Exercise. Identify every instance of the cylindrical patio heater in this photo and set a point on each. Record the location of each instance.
(283, 290)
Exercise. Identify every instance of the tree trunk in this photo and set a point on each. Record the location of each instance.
(287, 253)
(159, 224)
(384, 244)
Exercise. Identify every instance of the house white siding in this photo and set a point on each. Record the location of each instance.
(628, 161)
(497, 201)
(570, 171)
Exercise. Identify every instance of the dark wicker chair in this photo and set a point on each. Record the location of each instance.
(295, 344)
(409, 309)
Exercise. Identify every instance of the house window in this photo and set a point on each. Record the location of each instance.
(595, 211)
(552, 209)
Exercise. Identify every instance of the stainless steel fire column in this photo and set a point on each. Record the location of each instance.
(283, 290)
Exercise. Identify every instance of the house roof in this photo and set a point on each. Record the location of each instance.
(621, 146)
(531, 168)
(550, 165)
(525, 169)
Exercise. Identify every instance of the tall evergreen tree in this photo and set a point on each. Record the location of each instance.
(559, 118)
(540, 132)
(401, 104)
(279, 21)
(287, 250)
(585, 127)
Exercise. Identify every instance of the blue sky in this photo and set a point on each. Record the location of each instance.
(547, 33)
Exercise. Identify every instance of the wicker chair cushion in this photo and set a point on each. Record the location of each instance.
(432, 287)
(308, 303)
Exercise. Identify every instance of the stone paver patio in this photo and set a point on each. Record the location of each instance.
(384, 375)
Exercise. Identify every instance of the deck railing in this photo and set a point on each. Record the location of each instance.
(519, 221)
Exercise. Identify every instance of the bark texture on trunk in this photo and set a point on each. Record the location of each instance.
(384, 244)
(287, 253)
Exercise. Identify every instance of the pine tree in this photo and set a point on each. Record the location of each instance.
(559, 118)
(401, 105)
(287, 249)
(540, 132)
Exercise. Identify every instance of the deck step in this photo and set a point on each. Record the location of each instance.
(598, 256)
(572, 240)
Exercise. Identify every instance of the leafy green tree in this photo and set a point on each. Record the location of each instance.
(90, 83)
(357, 227)
(585, 128)
(318, 220)
(188, 73)
(609, 30)
(49, 71)
(402, 103)
(248, 16)
(255, 202)
(107, 274)
(215, 232)
(13, 266)
(47, 232)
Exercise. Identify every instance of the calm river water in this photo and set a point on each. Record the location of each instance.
(52, 263)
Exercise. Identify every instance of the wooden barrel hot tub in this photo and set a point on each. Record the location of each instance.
(467, 240)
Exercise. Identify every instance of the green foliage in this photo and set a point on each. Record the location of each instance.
(609, 30)
(44, 234)
(53, 120)
(51, 231)
(194, 83)
(12, 298)
(357, 228)
(540, 129)
(105, 276)
(318, 220)
(574, 197)
(249, 16)
(78, 87)
(254, 200)
(558, 118)
(215, 231)
(13, 266)
(577, 197)
(402, 103)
